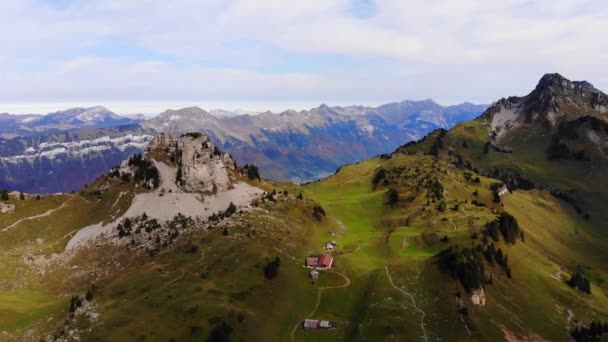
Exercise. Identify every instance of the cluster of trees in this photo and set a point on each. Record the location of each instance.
(468, 176)
(434, 190)
(379, 177)
(580, 281)
(180, 221)
(477, 203)
(461, 163)
(393, 196)
(442, 206)
(4, 195)
(220, 333)
(491, 254)
(438, 143)
(271, 270)
(252, 171)
(467, 264)
(77, 301)
(114, 172)
(464, 264)
(318, 212)
(594, 332)
(124, 228)
(144, 170)
(270, 196)
(495, 187)
(231, 210)
(508, 227)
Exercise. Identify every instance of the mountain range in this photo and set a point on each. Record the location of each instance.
(491, 230)
(292, 145)
(36, 124)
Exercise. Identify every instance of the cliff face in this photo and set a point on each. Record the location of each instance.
(201, 166)
(66, 161)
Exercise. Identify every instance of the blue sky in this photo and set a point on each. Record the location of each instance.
(146, 56)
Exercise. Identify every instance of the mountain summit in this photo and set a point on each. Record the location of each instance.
(556, 102)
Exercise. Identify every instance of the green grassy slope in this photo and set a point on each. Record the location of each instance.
(557, 239)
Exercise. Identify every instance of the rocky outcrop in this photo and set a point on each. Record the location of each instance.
(478, 297)
(201, 165)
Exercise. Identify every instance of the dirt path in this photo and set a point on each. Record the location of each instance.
(46, 213)
(172, 280)
(320, 291)
(452, 222)
(390, 279)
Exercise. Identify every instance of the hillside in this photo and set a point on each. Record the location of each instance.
(187, 276)
(178, 238)
(461, 235)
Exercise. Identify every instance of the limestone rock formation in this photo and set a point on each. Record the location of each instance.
(201, 166)
(478, 297)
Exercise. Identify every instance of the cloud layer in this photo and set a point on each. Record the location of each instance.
(334, 51)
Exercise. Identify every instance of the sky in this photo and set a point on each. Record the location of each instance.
(147, 56)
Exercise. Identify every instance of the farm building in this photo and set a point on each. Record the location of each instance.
(330, 245)
(311, 262)
(325, 261)
(318, 324)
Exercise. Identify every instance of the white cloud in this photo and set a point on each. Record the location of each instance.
(218, 50)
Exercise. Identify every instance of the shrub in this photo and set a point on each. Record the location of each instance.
(252, 172)
(318, 212)
(75, 303)
(378, 177)
(580, 282)
(271, 270)
(220, 333)
(393, 196)
(596, 331)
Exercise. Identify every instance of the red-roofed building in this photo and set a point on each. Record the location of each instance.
(325, 261)
(312, 262)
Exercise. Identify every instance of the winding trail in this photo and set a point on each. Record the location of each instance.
(390, 279)
(46, 213)
(452, 222)
(320, 291)
(172, 280)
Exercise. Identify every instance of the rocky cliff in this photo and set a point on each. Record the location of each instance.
(201, 166)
